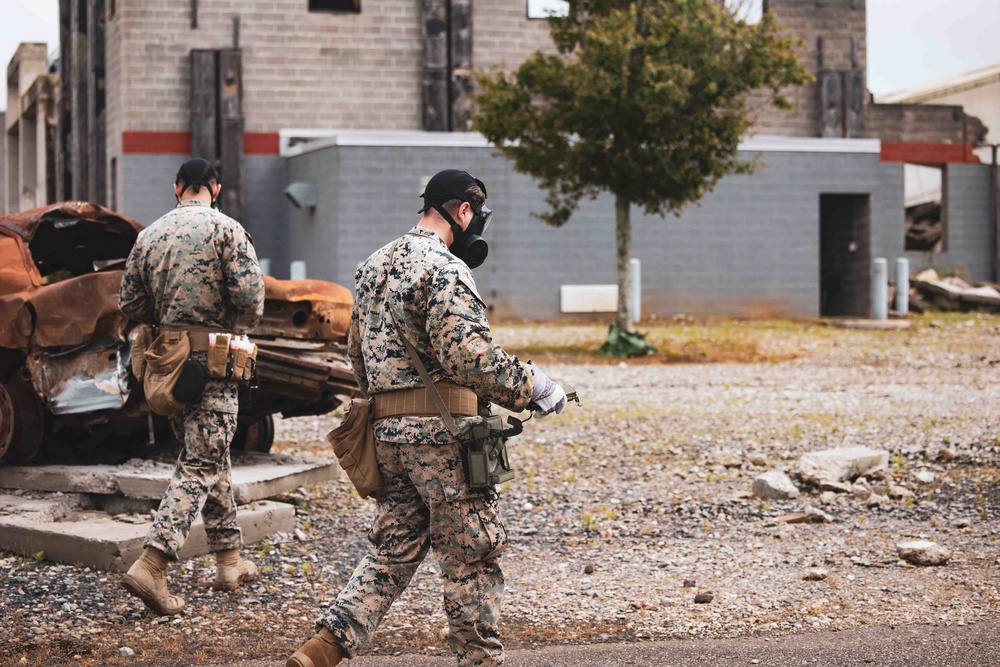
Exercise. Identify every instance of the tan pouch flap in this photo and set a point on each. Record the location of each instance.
(354, 444)
(165, 359)
(140, 342)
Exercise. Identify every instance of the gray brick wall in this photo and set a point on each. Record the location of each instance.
(148, 194)
(750, 247)
(147, 182)
(923, 123)
(968, 236)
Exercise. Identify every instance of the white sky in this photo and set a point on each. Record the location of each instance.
(909, 41)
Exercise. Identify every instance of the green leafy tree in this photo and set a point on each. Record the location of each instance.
(645, 99)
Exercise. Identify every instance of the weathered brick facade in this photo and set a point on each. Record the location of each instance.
(833, 34)
(300, 68)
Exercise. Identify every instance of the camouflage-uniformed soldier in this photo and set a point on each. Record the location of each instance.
(421, 287)
(195, 267)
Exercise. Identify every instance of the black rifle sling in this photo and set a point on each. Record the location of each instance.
(449, 421)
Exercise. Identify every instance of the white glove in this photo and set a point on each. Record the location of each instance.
(547, 396)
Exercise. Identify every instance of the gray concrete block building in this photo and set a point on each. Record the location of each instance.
(365, 99)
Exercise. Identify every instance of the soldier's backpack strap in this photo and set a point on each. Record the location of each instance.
(449, 421)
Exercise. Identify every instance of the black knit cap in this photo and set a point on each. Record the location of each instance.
(195, 173)
(447, 185)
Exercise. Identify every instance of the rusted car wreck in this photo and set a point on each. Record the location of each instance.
(64, 347)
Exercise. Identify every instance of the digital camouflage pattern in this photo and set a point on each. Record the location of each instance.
(433, 299)
(195, 266)
(427, 504)
(203, 475)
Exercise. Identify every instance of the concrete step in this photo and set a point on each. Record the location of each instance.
(66, 529)
(255, 477)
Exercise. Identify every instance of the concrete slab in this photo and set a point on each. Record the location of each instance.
(68, 531)
(255, 477)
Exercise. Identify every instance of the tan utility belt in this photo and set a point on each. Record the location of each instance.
(228, 357)
(417, 402)
(197, 335)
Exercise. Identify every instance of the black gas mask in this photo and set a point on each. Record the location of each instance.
(468, 244)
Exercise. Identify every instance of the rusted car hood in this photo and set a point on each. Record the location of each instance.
(26, 223)
(82, 304)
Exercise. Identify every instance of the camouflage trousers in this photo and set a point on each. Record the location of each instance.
(427, 504)
(202, 481)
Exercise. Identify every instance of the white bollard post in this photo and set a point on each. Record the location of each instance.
(880, 289)
(265, 266)
(635, 307)
(298, 270)
(902, 285)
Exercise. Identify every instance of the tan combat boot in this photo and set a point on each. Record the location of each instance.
(145, 581)
(320, 651)
(231, 570)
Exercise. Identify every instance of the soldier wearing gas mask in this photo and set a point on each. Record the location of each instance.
(419, 292)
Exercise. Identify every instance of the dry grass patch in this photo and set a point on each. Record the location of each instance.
(678, 341)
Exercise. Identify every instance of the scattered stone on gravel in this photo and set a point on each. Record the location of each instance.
(690, 583)
(759, 460)
(836, 487)
(945, 454)
(126, 652)
(703, 598)
(925, 476)
(840, 465)
(877, 500)
(774, 485)
(634, 461)
(588, 569)
(898, 492)
(810, 515)
(816, 574)
(923, 552)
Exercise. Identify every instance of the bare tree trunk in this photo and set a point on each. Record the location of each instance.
(623, 241)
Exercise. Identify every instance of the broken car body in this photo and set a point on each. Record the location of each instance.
(64, 346)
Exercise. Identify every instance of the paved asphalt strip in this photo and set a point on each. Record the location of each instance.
(976, 645)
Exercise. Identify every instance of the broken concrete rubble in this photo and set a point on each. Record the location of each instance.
(774, 485)
(840, 465)
(953, 293)
(99, 515)
(255, 477)
(923, 552)
(66, 529)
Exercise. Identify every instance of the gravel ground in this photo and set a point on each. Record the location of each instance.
(624, 510)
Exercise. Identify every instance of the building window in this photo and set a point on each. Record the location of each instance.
(925, 196)
(353, 6)
(543, 9)
(750, 11)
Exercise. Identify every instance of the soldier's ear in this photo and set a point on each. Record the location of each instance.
(177, 190)
(216, 189)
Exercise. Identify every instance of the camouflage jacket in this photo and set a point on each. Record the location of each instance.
(194, 266)
(434, 303)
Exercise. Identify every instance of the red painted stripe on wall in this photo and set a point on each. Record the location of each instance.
(927, 153)
(261, 143)
(156, 143)
(179, 143)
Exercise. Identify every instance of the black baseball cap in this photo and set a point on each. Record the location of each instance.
(447, 185)
(196, 171)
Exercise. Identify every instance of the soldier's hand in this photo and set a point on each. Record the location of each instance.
(547, 396)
